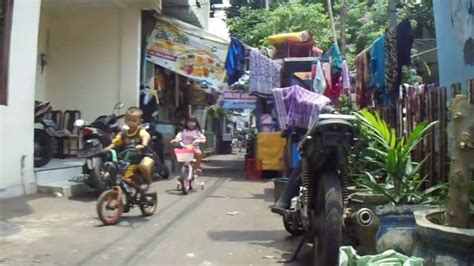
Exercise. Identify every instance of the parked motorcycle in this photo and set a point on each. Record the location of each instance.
(317, 210)
(96, 136)
(124, 193)
(158, 146)
(45, 131)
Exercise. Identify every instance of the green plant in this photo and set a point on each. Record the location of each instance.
(398, 176)
(345, 105)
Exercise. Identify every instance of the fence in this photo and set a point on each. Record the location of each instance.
(426, 105)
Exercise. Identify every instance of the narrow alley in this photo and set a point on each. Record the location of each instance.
(229, 222)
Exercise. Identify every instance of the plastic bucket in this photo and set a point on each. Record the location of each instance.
(253, 169)
(279, 185)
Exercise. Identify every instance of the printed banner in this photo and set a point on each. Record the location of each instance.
(238, 100)
(239, 104)
(188, 51)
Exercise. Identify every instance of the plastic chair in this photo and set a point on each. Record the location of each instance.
(70, 116)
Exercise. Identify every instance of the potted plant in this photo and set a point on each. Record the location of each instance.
(396, 176)
(447, 235)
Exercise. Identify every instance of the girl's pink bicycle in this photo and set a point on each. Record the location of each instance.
(185, 156)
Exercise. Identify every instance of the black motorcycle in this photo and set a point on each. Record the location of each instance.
(316, 211)
(158, 146)
(96, 136)
(45, 132)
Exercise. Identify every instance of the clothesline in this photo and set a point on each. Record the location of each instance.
(424, 52)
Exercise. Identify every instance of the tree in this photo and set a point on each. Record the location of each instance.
(254, 26)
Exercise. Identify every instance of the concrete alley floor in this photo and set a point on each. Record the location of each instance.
(186, 230)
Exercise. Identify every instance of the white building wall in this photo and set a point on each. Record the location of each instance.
(16, 119)
(93, 58)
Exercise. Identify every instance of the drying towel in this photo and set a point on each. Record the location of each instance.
(264, 74)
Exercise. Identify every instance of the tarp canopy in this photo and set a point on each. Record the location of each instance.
(188, 50)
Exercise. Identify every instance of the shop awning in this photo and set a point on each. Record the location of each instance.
(188, 50)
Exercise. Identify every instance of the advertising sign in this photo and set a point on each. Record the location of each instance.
(238, 100)
(188, 51)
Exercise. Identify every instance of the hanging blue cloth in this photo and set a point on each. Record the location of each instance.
(235, 62)
(377, 68)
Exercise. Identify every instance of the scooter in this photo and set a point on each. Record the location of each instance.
(124, 193)
(45, 131)
(96, 136)
(317, 210)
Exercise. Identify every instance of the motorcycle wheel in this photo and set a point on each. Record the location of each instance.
(292, 226)
(96, 177)
(109, 209)
(148, 208)
(185, 182)
(329, 233)
(43, 148)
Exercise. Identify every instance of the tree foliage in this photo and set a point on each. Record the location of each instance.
(253, 26)
(365, 20)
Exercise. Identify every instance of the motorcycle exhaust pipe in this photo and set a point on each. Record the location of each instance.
(364, 217)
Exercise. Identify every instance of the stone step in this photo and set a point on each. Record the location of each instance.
(66, 188)
(55, 175)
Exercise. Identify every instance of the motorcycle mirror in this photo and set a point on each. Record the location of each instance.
(79, 123)
(119, 105)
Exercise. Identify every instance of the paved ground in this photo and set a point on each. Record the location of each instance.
(187, 230)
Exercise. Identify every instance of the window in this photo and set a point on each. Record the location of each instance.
(6, 7)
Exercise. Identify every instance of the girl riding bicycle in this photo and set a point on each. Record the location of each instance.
(192, 136)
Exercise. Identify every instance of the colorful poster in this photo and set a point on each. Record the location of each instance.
(188, 51)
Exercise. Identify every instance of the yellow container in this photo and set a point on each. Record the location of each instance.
(277, 39)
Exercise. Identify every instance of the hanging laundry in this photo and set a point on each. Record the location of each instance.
(377, 63)
(264, 74)
(327, 74)
(235, 62)
(336, 58)
(405, 38)
(392, 75)
(319, 83)
(364, 93)
(334, 91)
(377, 70)
(148, 104)
(298, 107)
(346, 77)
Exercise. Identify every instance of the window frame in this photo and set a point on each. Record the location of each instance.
(5, 51)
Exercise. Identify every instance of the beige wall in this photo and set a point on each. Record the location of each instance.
(93, 58)
(16, 119)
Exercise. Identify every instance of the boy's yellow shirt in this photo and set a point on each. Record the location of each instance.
(135, 136)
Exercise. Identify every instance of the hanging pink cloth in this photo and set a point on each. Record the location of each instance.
(346, 77)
